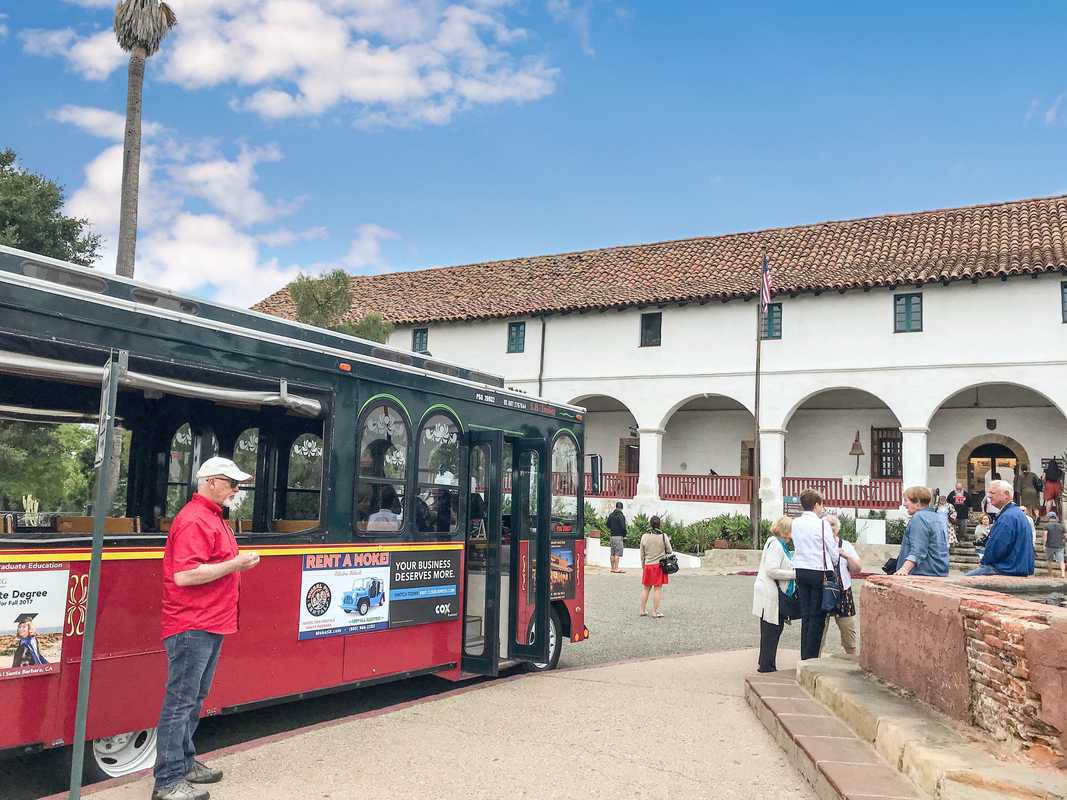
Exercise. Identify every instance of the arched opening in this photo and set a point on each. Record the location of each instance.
(611, 433)
(708, 451)
(837, 434)
(992, 428)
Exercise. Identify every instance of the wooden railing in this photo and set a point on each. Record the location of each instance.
(622, 485)
(706, 488)
(613, 484)
(882, 492)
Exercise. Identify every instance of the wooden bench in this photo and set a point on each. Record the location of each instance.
(293, 525)
(111, 524)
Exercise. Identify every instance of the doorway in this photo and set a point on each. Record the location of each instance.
(990, 462)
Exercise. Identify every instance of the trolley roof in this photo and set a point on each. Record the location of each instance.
(62, 277)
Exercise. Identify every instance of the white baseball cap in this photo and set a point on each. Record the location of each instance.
(221, 466)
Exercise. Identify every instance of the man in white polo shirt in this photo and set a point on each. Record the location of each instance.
(814, 557)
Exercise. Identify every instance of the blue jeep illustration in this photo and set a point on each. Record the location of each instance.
(366, 592)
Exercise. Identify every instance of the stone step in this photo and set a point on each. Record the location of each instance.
(836, 762)
(943, 762)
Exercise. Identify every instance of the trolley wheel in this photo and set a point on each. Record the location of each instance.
(119, 755)
(555, 645)
(364, 607)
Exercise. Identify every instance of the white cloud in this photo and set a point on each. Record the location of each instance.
(205, 251)
(101, 122)
(283, 237)
(229, 186)
(578, 14)
(365, 251)
(94, 56)
(1031, 111)
(397, 62)
(3, 26)
(98, 198)
(39, 42)
(1054, 110)
(214, 253)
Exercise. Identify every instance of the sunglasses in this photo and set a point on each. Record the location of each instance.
(231, 481)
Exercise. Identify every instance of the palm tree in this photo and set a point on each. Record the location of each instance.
(140, 26)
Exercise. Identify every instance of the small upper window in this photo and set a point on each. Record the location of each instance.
(772, 322)
(908, 313)
(516, 337)
(420, 340)
(650, 329)
(1063, 299)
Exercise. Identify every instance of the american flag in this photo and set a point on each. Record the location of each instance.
(766, 284)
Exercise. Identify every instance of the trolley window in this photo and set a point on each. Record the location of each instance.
(246, 457)
(437, 496)
(383, 461)
(303, 483)
(565, 477)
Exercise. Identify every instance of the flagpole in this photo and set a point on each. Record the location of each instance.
(755, 509)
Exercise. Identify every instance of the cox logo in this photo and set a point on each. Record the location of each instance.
(443, 608)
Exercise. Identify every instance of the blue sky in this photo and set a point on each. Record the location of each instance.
(377, 135)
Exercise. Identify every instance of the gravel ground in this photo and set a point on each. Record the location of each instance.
(703, 612)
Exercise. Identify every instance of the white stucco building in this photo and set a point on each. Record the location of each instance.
(938, 337)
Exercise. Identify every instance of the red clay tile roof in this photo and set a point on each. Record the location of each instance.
(971, 243)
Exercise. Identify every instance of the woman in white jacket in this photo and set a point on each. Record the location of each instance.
(776, 576)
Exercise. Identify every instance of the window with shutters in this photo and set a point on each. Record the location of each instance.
(887, 451)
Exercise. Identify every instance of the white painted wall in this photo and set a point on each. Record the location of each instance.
(1042, 431)
(829, 341)
(698, 440)
(603, 429)
(818, 441)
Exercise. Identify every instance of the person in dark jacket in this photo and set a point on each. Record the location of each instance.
(1010, 547)
(617, 528)
(961, 503)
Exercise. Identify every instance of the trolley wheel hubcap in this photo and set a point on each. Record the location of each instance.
(124, 753)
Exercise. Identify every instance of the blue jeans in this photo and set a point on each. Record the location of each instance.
(982, 569)
(191, 660)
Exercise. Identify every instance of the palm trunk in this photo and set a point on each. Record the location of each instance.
(131, 165)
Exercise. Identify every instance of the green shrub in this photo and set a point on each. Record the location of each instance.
(848, 529)
(894, 531)
(593, 521)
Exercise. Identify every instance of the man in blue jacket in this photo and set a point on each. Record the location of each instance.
(1010, 547)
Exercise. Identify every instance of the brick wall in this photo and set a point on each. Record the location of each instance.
(1004, 700)
(1012, 679)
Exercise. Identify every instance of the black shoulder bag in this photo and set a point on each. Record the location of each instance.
(669, 562)
(831, 587)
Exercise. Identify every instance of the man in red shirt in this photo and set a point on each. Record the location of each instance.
(201, 580)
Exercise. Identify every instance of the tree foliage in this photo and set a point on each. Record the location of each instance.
(31, 217)
(54, 463)
(369, 326)
(324, 302)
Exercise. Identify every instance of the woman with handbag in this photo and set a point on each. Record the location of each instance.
(655, 548)
(774, 596)
(818, 585)
(848, 565)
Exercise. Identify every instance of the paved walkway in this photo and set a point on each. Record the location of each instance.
(674, 727)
